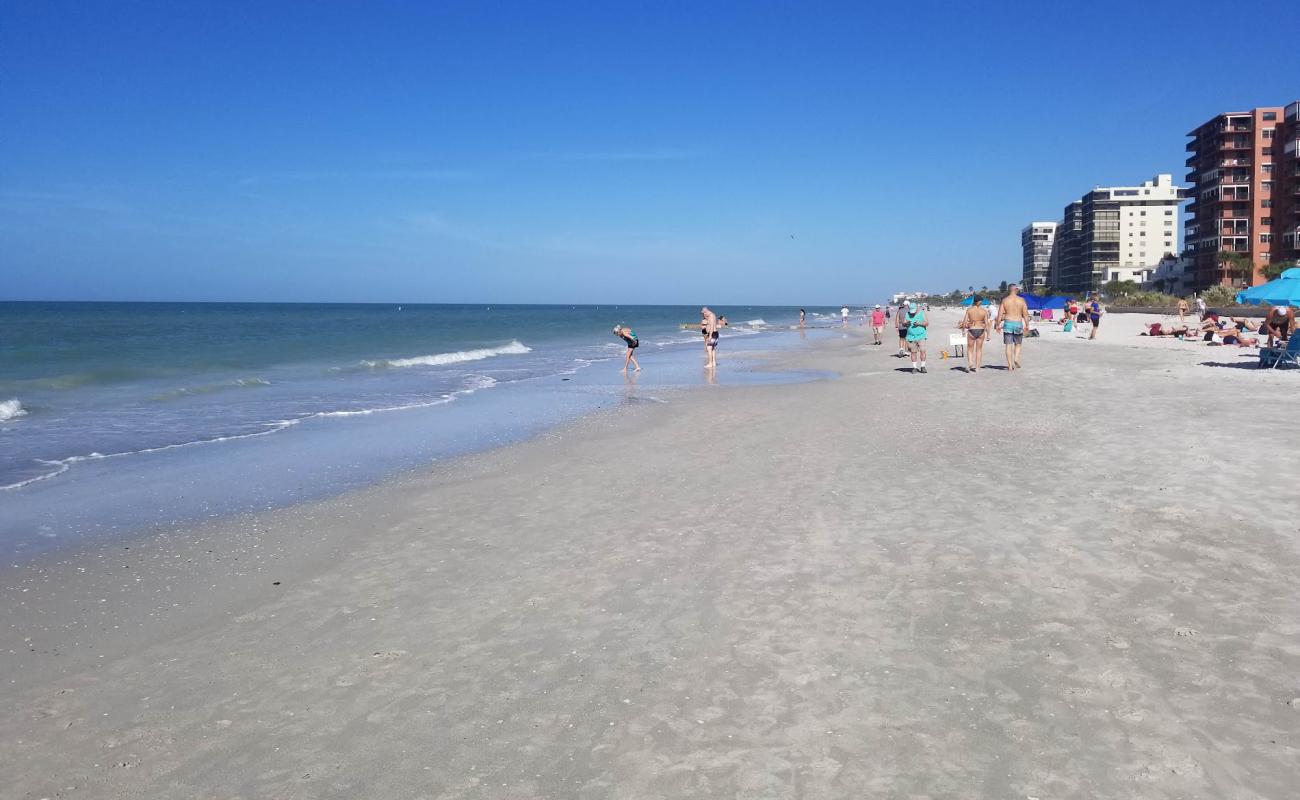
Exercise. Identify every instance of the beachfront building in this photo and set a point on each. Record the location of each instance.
(1233, 158)
(1116, 233)
(1286, 203)
(1173, 275)
(1036, 244)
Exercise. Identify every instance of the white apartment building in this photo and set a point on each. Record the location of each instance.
(1148, 227)
(1036, 241)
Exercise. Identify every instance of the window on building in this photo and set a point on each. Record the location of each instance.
(1266, 221)
(1266, 203)
(1270, 116)
(1267, 168)
(1268, 151)
(1265, 238)
(1266, 186)
(1268, 133)
(1169, 212)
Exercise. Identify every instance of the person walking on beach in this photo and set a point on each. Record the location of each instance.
(629, 337)
(900, 319)
(1182, 311)
(844, 317)
(976, 324)
(1094, 315)
(917, 323)
(709, 326)
(1200, 308)
(877, 324)
(1279, 324)
(1013, 320)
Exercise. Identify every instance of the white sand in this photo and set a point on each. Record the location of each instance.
(1077, 580)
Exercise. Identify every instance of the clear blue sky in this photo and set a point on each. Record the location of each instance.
(594, 152)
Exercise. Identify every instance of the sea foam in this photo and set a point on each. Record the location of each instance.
(11, 409)
(442, 359)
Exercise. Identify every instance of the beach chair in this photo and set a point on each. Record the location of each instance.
(957, 341)
(1274, 357)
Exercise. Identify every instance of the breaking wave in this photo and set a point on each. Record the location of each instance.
(11, 409)
(460, 356)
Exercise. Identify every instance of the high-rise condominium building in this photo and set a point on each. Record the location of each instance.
(1286, 203)
(1116, 233)
(1036, 243)
(1233, 162)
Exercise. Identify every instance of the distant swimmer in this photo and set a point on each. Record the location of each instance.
(629, 337)
(1013, 320)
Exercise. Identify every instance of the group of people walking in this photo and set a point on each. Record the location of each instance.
(1011, 317)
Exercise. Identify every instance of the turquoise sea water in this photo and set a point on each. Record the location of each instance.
(117, 416)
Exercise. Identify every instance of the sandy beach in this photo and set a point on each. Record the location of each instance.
(1073, 581)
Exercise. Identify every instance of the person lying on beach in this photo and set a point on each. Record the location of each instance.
(629, 337)
(1235, 337)
(1157, 329)
(1244, 325)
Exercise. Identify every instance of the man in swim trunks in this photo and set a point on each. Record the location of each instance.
(1013, 320)
(877, 324)
(976, 322)
(710, 329)
(917, 323)
(629, 337)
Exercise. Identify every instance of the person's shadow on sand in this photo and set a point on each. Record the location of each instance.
(1251, 364)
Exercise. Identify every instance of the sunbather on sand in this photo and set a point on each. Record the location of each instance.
(1157, 329)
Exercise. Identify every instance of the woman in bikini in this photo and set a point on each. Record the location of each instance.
(975, 322)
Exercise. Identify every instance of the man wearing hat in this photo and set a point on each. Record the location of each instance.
(877, 323)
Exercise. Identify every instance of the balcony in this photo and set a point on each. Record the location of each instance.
(1293, 112)
(1235, 228)
(1235, 162)
(1291, 147)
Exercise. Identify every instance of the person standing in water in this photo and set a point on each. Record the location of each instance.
(917, 323)
(801, 317)
(976, 324)
(844, 316)
(710, 328)
(629, 337)
(1013, 319)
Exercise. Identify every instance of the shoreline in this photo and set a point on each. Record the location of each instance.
(305, 459)
(748, 591)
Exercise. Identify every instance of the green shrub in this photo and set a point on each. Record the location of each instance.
(1220, 296)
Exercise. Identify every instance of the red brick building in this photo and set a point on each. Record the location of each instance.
(1235, 161)
(1286, 205)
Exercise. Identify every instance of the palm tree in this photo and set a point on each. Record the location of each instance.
(1274, 271)
(1237, 266)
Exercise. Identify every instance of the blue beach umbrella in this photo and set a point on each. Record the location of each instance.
(971, 299)
(1285, 291)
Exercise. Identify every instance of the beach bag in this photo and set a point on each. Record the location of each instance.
(1069, 325)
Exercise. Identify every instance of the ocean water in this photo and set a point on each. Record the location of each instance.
(122, 416)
